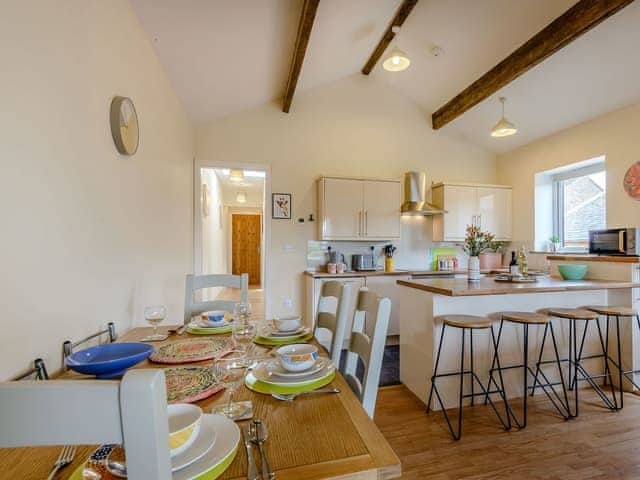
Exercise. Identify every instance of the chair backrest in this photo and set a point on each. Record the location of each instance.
(198, 282)
(368, 336)
(332, 314)
(37, 372)
(68, 346)
(132, 412)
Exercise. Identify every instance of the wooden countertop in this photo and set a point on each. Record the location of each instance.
(592, 258)
(377, 273)
(458, 287)
(317, 437)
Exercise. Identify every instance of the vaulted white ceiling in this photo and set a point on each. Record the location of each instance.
(224, 56)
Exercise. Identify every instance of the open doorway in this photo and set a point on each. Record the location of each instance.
(231, 230)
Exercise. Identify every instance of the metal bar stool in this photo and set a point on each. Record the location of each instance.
(617, 312)
(527, 319)
(470, 323)
(576, 357)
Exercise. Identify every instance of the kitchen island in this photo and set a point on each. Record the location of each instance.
(421, 301)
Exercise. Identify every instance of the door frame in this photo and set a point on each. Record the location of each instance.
(266, 214)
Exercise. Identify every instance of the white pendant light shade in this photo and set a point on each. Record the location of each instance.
(504, 127)
(241, 197)
(396, 61)
(236, 175)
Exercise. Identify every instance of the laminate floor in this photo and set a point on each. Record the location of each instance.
(255, 298)
(599, 444)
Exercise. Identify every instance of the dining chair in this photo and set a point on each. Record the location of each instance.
(332, 316)
(68, 346)
(37, 372)
(368, 336)
(131, 412)
(198, 282)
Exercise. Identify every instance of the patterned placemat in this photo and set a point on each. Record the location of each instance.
(279, 341)
(194, 350)
(190, 384)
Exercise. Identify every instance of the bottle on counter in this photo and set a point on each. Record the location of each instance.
(522, 262)
(513, 265)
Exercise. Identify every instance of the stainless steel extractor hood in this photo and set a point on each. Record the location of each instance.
(415, 194)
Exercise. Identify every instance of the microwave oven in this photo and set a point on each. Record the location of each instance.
(615, 241)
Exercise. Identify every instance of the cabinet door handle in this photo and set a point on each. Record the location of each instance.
(360, 223)
(366, 223)
(480, 222)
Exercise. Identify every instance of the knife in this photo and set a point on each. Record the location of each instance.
(181, 330)
(252, 469)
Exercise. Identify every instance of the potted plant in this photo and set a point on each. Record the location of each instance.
(554, 243)
(475, 242)
(491, 257)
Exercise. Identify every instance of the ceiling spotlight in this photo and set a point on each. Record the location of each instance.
(397, 59)
(241, 197)
(504, 127)
(236, 175)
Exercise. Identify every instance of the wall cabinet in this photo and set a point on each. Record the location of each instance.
(356, 209)
(486, 206)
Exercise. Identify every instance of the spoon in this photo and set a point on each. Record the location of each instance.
(259, 435)
(90, 474)
(117, 469)
(292, 396)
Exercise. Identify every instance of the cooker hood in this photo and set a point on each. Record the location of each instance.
(415, 194)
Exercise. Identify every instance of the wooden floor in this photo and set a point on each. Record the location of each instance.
(256, 298)
(599, 444)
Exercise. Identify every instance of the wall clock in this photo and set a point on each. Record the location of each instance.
(124, 125)
(631, 181)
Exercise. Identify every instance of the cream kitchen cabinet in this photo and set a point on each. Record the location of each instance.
(357, 209)
(485, 206)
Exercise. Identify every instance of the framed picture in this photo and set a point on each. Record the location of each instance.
(281, 205)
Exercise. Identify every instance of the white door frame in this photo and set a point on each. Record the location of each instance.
(197, 219)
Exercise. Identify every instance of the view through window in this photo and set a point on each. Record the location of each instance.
(580, 206)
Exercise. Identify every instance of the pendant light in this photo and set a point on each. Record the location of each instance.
(241, 197)
(397, 59)
(236, 175)
(504, 127)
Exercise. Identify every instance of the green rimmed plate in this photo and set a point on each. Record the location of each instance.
(274, 342)
(252, 383)
(209, 331)
(209, 467)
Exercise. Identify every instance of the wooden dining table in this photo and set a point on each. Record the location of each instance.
(326, 436)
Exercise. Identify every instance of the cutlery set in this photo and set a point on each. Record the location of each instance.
(256, 433)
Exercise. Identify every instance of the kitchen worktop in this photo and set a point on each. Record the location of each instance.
(376, 273)
(458, 287)
(592, 258)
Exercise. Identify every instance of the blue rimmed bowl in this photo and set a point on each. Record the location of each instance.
(109, 360)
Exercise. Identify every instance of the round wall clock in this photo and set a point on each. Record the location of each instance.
(631, 181)
(124, 125)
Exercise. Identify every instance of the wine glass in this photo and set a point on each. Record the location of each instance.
(229, 372)
(243, 334)
(155, 314)
(242, 311)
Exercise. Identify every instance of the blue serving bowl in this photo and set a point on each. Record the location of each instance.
(109, 360)
(572, 271)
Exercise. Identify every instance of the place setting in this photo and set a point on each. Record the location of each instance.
(212, 322)
(282, 331)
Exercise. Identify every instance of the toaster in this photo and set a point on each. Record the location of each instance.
(362, 262)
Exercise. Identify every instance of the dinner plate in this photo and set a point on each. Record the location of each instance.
(263, 373)
(203, 443)
(271, 332)
(277, 369)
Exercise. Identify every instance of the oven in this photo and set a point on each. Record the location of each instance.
(615, 241)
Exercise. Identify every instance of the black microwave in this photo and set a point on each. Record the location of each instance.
(615, 241)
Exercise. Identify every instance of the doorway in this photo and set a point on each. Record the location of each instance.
(246, 233)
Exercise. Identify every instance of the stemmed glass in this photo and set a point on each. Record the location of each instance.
(229, 371)
(242, 311)
(155, 314)
(243, 334)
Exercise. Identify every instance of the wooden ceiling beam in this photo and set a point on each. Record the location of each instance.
(401, 15)
(309, 9)
(579, 19)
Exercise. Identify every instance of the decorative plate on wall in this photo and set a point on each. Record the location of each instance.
(124, 125)
(631, 181)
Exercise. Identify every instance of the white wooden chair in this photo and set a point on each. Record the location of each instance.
(368, 336)
(332, 316)
(131, 412)
(198, 282)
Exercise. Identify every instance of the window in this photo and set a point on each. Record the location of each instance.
(579, 205)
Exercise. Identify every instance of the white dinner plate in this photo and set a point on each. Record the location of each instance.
(202, 325)
(264, 372)
(202, 444)
(277, 369)
(271, 332)
(227, 440)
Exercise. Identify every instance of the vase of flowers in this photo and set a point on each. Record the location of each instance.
(476, 242)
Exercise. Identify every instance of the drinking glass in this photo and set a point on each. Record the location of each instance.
(155, 314)
(229, 372)
(242, 311)
(243, 334)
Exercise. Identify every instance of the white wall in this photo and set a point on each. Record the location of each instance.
(214, 231)
(355, 127)
(614, 135)
(88, 236)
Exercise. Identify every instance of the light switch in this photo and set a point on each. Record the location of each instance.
(288, 248)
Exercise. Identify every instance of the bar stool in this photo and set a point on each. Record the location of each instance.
(617, 312)
(470, 323)
(527, 319)
(576, 357)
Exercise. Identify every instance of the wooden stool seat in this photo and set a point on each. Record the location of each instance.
(573, 313)
(466, 321)
(612, 310)
(526, 317)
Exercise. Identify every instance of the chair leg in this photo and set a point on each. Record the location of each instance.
(619, 361)
(471, 363)
(435, 369)
(535, 378)
(503, 393)
(493, 361)
(562, 384)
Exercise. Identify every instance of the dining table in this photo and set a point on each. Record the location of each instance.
(324, 436)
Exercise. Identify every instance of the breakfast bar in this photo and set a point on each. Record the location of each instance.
(422, 301)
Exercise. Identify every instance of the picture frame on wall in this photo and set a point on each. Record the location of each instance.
(281, 206)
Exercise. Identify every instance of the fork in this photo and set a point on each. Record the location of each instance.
(64, 459)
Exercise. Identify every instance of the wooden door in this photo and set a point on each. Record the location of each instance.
(382, 209)
(245, 246)
(342, 212)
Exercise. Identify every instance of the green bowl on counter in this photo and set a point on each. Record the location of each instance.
(572, 271)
